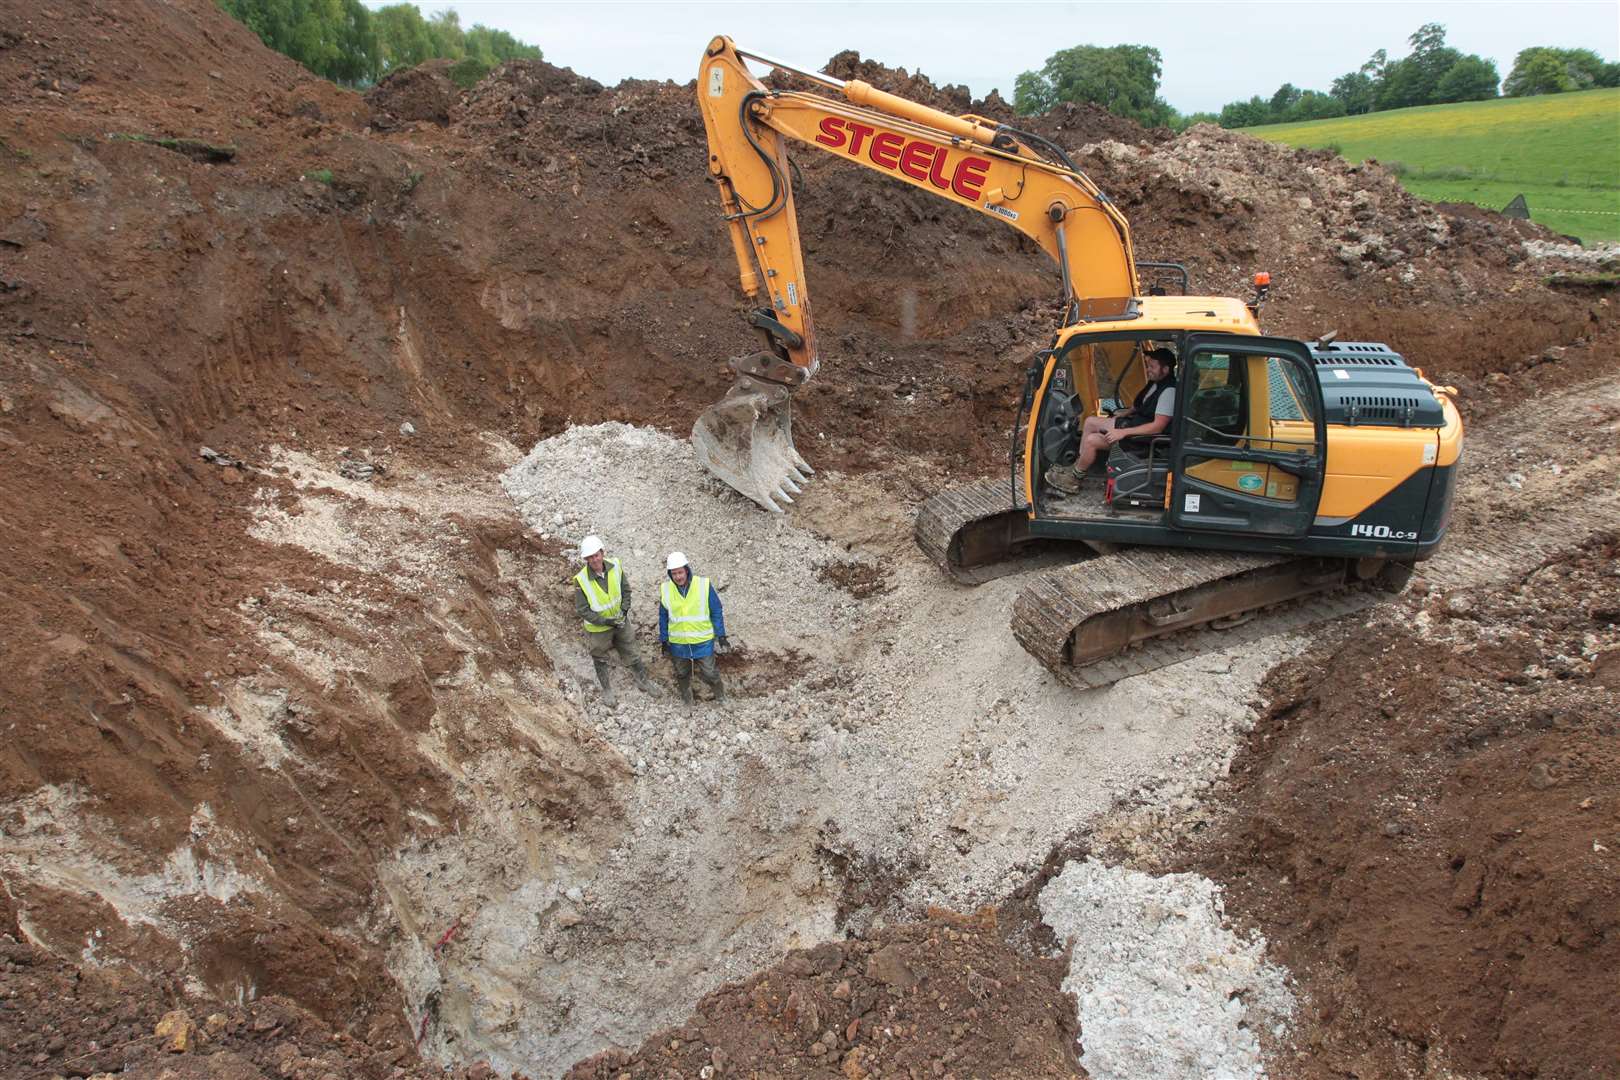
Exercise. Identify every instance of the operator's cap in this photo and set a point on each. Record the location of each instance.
(591, 545)
(676, 560)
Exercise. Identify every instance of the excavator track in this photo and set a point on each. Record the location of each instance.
(969, 529)
(1131, 612)
(1111, 616)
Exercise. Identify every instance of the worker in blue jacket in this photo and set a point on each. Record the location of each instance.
(691, 625)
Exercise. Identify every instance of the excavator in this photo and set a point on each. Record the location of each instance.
(1294, 477)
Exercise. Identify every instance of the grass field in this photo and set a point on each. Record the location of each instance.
(1560, 151)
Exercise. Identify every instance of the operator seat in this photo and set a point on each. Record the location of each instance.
(1137, 471)
(1139, 467)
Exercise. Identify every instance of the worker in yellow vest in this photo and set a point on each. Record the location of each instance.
(603, 605)
(691, 624)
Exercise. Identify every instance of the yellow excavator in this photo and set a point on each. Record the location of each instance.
(1291, 473)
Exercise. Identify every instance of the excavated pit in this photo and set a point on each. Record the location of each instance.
(299, 730)
(901, 754)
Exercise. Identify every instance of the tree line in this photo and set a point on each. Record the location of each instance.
(1124, 79)
(344, 41)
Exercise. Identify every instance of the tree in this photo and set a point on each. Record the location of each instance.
(1584, 66)
(1286, 97)
(1472, 78)
(345, 42)
(1537, 71)
(444, 27)
(1124, 79)
(1430, 58)
(1315, 105)
(1399, 87)
(403, 36)
(1251, 113)
(1182, 123)
(333, 38)
(497, 46)
(1414, 79)
(1032, 94)
(1356, 91)
(1543, 70)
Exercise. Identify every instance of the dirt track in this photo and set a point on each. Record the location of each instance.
(275, 731)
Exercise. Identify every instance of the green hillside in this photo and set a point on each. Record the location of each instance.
(1560, 151)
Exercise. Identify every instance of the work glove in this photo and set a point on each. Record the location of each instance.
(722, 646)
(663, 647)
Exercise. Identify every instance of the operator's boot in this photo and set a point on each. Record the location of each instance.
(719, 692)
(685, 687)
(1064, 479)
(602, 676)
(643, 683)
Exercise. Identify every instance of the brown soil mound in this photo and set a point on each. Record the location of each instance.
(61, 1020)
(919, 87)
(424, 92)
(948, 997)
(519, 92)
(1425, 823)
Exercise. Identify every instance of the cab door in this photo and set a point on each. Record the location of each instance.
(1249, 439)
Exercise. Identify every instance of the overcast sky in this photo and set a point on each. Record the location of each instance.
(1213, 52)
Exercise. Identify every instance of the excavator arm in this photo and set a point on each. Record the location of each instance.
(1019, 179)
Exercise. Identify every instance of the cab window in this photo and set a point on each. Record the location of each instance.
(1215, 400)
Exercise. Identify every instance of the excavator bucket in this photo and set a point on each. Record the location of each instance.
(746, 439)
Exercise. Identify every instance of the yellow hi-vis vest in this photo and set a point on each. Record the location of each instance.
(606, 604)
(688, 615)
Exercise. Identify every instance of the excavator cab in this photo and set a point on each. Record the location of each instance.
(1245, 453)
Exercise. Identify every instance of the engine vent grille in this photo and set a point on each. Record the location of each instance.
(1357, 354)
(1387, 408)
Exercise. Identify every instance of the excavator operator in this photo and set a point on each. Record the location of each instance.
(1149, 415)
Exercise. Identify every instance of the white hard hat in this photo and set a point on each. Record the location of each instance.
(591, 545)
(676, 560)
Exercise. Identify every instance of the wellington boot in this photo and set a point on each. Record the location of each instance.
(609, 698)
(719, 693)
(645, 685)
(685, 687)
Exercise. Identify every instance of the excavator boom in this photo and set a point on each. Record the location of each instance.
(746, 438)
